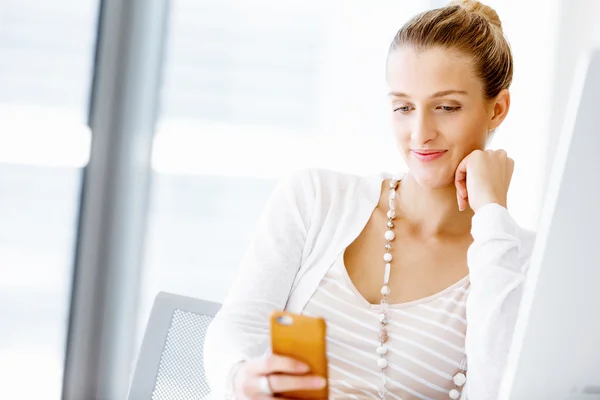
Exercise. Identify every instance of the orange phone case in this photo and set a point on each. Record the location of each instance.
(304, 339)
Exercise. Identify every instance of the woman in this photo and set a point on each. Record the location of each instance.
(419, 278)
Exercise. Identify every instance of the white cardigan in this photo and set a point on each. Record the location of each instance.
(310, 218)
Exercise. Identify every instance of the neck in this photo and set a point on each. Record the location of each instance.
(432, 212)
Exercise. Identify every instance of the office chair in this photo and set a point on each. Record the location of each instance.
(170, 362)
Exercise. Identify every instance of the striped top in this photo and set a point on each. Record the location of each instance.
(308, 221)
(426, 340)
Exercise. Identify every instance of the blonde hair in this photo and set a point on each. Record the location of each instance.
(470, 27)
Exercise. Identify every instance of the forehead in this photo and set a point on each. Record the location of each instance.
(421, 73)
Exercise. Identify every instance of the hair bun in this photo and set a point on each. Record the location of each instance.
(476, 7)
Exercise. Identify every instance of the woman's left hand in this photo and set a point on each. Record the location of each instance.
(483, 177)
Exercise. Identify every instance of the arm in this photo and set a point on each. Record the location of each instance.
(498, 261)
(240, 331)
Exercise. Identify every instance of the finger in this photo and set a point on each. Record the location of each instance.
(463, 202)
(267, 397)
(280, 364)
(460, 181)
(461, 195)
(287, 383)
(461, 188)
(461, 171)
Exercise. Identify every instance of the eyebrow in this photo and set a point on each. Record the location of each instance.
(433, 96)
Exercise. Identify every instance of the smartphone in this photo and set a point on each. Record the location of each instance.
(304, 339)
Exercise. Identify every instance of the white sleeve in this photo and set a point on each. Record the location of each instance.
(498, 261)
(240, 331)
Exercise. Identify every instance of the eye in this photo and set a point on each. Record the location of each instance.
(449, 108)
(403, 109)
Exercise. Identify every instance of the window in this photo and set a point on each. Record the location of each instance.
(255, 90)
(45, 75)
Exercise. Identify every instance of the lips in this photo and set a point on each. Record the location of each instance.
(428, 155)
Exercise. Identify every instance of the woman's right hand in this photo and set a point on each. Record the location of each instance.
(284, 374)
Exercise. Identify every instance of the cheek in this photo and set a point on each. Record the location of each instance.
(401, 130)
(468, 133)
(464, 131)
(460, 131)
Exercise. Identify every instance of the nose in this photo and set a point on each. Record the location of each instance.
(423, 129)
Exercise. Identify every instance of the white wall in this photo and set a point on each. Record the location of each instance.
(578, 30)
(531, 31)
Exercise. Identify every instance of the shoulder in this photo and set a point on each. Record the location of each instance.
(322, 177)
(324, 184)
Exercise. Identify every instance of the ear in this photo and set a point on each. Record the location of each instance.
(499, 109)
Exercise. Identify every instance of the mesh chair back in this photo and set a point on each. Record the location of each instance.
(170, 364)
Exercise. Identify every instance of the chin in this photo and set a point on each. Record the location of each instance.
(433, 178)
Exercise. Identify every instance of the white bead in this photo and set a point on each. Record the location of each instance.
(385, 290)
(391, 214)
(454, 394)
(392, 194)
(381, 350)
(383, 318)
(389, 235)
(386, 274)
(383, 306)
(382, 363)
(391, 204)
(387, 257)
(459, 379)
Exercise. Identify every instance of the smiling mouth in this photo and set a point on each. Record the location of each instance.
(428, 155)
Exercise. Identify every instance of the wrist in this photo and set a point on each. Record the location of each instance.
(491, 205)
(234, 377)
(491, 200)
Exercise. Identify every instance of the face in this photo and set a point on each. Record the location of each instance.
(440, 113)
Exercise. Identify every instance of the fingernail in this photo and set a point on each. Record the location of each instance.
(319, 382)
(302, 368)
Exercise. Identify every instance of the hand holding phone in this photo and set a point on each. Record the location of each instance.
(297, 367)
(302, 338)
(284, 374)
